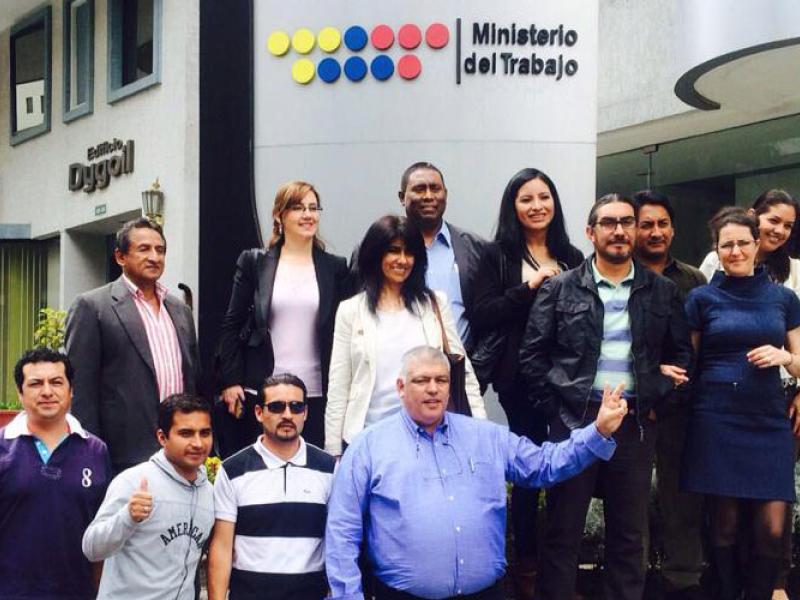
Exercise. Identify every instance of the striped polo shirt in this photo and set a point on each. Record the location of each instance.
(616, 359)
(279, 508)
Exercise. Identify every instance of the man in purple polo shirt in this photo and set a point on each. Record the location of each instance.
(53, 476)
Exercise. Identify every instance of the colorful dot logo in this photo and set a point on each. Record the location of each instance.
(382, 37)
(329, 39)
(303, 41)
(356, 39)
(278, 43)
(303, 71)
(409, 36)
(329, 70)
(355, 68)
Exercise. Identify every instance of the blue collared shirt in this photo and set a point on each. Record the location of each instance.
(435, 505)
(442, 276)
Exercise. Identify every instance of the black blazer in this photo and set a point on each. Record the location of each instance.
(502, 300)
(115, 388)
(245, 348)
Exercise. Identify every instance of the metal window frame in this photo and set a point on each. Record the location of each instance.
(87, 107)
(115, 90)
(43, 15)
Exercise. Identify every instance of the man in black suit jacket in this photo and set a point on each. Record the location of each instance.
(453, 253)
(132, 345)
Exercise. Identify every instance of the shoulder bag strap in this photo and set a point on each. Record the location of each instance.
(435, 303)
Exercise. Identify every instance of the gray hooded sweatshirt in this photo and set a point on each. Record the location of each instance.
(157, 558)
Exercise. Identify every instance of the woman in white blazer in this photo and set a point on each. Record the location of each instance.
(393, 313)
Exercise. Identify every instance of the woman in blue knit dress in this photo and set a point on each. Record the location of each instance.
(740, 447)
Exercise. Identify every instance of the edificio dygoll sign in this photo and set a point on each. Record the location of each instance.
(97, 175)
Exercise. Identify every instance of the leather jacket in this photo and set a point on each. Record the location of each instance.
(561, 346)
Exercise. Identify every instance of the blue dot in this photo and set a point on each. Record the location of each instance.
(355, 68)
(355, 38)
(382, 67)
(329, 70)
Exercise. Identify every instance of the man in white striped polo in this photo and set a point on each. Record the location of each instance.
(271, 505)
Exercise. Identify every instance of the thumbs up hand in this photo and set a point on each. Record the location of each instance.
(612, 410)
(140, 504)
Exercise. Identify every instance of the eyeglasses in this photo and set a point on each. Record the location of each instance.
(278, 407)
(301, 208)
(608, 224)
(743, 245)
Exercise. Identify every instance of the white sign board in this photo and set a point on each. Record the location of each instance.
(479, 89)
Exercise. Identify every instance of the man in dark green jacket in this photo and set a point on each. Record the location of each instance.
(682, 512)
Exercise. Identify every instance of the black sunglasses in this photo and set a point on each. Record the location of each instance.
(278, 407)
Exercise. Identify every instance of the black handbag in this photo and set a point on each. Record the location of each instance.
(458, 401)
(487, 355)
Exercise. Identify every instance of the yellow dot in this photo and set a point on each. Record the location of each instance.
(329, 39)
(303, 71)
(303, 40)
(278, 43)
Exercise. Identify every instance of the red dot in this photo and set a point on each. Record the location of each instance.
(409, 67)
(382, 37)
(409, 36)
(437, 36)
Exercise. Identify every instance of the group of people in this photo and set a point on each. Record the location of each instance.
(345, 475)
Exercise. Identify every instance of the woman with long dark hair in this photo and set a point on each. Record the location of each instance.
(280, 317)
(739, 446)
(394, 313)
(530, 245)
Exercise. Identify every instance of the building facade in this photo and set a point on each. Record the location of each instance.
(99, 98)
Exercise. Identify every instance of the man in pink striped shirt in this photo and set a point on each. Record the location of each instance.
(132, 345)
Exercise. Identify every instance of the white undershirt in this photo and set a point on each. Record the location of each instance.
(293, 324)
(398, 332)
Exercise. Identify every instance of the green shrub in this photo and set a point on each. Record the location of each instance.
(51, 330)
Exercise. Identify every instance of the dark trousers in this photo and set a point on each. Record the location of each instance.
(384, 592)
(625, 484)
(523, 419)
(681, 512)
(233, 434)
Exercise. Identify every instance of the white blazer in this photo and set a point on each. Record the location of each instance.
(353, 365)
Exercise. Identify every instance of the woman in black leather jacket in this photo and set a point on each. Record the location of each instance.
(531, 244)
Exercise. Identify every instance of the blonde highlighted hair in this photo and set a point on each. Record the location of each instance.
(290, 194)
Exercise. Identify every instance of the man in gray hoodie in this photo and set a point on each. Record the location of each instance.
(157, 516)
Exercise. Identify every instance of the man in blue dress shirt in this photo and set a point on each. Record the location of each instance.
(453, 253)
(427, 490)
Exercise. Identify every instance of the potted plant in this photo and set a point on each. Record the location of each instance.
(8, 410)
(49, 334)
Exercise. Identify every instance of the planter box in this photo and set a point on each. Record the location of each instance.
(6, 416)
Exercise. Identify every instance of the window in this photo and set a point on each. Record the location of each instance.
(30, 76)
(23, 292)
(78, 58)
(134, 46)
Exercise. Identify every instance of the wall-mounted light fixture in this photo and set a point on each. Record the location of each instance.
(153, 203)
